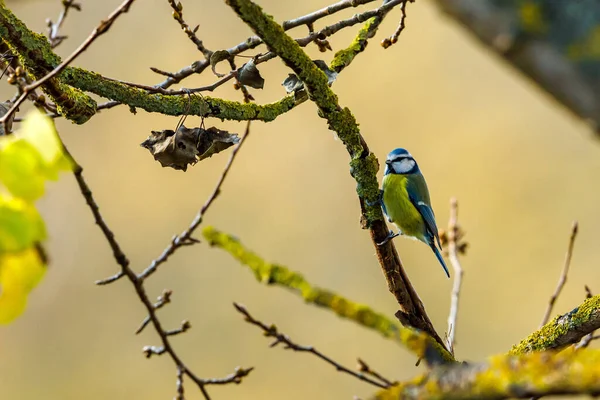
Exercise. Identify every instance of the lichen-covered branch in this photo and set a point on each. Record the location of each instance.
(563, 330)
(174, 105)
(344, 57)
(274, 274)
(505, 376)
(65, 90)
(36, 56)
(363, 164)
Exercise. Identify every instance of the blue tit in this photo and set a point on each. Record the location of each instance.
(405, 201)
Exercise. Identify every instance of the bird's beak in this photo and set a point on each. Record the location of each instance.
(388, 162)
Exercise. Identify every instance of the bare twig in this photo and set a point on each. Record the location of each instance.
(163, 299)
(453, 236)
(138, 285)
(271, 331)
(185, 236)
(185, 326)
(365, 368)
(102, 28)
(53, 28)
(563, 276)
(179, 385)
(387, 42)
(191, 33)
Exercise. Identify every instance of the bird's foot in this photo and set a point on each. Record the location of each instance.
(389, 237)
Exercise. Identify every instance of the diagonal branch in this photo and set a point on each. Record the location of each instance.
(151, 308)
(563, 330)
(272, 331)
(363, 164)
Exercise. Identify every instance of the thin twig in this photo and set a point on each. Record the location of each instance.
(387, 42)
(453, 236)
(138, 285)
(163, 299)
(53, 28)
(102, 28)
(563, 276)
(179, 385)
(185, 236)
(365, 368)
(303, 42)
(271, 331)
(191, 33)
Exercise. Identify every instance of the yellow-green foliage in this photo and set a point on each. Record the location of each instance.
(273, 274)
(28, 158)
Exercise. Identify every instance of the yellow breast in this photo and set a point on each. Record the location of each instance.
(399, 208)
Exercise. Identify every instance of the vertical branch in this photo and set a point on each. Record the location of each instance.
(453, 236)
(563, 276)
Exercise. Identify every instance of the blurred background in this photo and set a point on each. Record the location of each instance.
(522, 167)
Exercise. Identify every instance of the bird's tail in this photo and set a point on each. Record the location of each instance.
(440, 258)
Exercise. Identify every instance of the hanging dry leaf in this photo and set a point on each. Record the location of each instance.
(249, 75)
(217, 57)
(187, 146)
(292, 83)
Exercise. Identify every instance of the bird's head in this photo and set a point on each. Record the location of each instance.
(399, 161)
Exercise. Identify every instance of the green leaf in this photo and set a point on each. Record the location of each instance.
(21, 226)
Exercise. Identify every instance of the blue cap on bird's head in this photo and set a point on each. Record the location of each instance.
(399, 161)
(398, 152)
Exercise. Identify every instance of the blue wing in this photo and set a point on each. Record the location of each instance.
(419, 197)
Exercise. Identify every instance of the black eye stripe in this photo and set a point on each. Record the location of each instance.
(398, 159)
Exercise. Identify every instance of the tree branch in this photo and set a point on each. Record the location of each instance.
(534, 374)
(272, 331)
(563, 330)
(363, 164)
(36, 56)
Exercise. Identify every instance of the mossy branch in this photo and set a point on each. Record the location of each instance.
(273, 274)
(363, 165)
(506, 376)
(37, 57)
(66, 90)
(563, 330)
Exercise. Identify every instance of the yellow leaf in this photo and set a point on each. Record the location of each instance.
(39, 130)
(21, 226)
(22, 170)
(31, 156)
(19, 274)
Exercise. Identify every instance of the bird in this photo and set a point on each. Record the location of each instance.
(405, 201)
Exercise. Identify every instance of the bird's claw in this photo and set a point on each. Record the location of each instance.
(389, 237)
